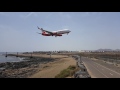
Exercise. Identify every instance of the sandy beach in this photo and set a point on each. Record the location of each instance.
(50, 70)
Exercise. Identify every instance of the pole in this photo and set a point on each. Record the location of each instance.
(6, 54)
(31, 55)
(50, 54)
(80, 58)
(17, 54)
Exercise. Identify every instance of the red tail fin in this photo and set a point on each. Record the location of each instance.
(40, 28)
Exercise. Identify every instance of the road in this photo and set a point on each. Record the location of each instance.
(99, 71)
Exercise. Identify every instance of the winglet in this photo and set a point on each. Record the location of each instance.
(40, 28)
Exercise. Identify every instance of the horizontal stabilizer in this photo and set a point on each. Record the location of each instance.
(38, 33)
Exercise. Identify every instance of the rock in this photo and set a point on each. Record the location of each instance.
(22, 69)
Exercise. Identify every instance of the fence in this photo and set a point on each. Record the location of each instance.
(82, 73)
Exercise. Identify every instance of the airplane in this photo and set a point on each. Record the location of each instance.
(54, 33)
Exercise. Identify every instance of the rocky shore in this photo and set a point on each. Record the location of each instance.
(22, 69)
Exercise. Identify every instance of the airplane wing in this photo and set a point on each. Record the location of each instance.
(38, 33)
(49, 32)
(46, 31)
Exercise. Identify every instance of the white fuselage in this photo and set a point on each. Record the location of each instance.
(61, 31)
(54, 33)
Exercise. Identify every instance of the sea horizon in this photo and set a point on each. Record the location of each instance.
(4, 59)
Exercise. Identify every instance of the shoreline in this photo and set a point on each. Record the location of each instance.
(39, 66)
(22, 69)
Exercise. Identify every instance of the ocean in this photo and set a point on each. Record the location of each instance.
(9, 58)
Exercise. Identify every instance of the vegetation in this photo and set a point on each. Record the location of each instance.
(67, 72)
(97, 55)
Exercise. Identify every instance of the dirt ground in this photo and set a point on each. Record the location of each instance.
(50, 70)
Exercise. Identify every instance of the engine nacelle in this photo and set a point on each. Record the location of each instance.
(59, 35)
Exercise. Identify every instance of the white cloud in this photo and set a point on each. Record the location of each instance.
(29, 15)
(86, 14)
(3, 14)
(65, 15)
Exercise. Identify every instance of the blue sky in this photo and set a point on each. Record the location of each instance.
(89, 31)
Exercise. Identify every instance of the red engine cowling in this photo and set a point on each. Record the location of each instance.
(46, 34)
(59, 35)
